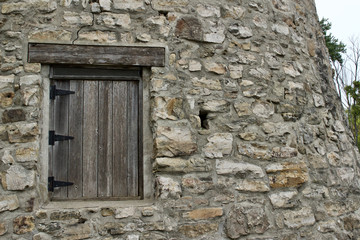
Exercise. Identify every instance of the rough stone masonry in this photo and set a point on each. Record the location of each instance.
(250, 139)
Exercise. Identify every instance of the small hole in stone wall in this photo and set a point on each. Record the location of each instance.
(204, 119)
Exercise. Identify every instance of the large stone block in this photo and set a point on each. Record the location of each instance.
(3, 228)
(283, 199)
(198, 229)
(224, 167)
(135, 5)
(98, 36)
(219, 145)
(244, 219)
(212, 84)
(24, 132)
(17, 178)
(23, 224)
(300, 218)
(71, 19)
(169, 5)
(167, 188)
(181, 165)
(204, 213)
(50, 35)
(174, 141)
(249, 185)
(13, 115)
(255, 150)
(215, 106)
(287, 174)
(168, 108)
(6, 81)
(9, 203)
(115, 20)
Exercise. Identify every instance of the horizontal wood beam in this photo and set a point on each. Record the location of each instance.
(96, 55)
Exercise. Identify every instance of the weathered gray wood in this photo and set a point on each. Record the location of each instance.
(61, 148)
(140, 141)
(105, 164)
(96, 55)
(90, 138)
(76, 130)
(132, 141)
(120, 138)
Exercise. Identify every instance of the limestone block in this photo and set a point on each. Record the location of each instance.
(194, 66)
(9, 203)
(255, 150)
(327, 226)
(318, 100)
(167, 188)
(78, 231)
(98, 36)
(181, 165)
(115, 20)
(219, 145)
(212, 84)
(290, 70)
(243, 108)
(26, 154)
(50, 35)
(284, 152)
(281, 29)
(32, 67)
(338, 126)
(248, 136)
(7, 158)
(248, 185)
(244, 219)
(169, 5)
(204, 213)
(17, 178)
(143, 37)
(135, 5)
(13, 115)
(198, 229)
(235, 12)
(30, 96)
(174, 141)
(42, 236)
(168, 108)
(189, 28)
(300, 218)
(7, 81)
(148, 211)
(287, 174)
(217, 36)
(236, 71)
(23, 224)
(316, 192)
(8, 8)
(195, 185)
(224, 167)
(283, 199)
(240, 31)
(214, 67)
(105, 5)
(23, 132)
(346, 175)
(260, 22)
(77, 19)
(65, 215)
(3, 228)
(260, 73)
(215, 106)
(207, 10)
(289, 112)
(124, 212)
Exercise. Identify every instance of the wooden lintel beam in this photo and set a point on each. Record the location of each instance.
(47, 53)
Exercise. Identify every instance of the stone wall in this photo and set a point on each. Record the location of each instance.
(249, 136)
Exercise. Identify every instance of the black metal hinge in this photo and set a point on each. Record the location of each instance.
(54, 138)
(53, 184)
(58, 92)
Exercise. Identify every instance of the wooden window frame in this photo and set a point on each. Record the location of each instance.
(98, 73)
(105, 56)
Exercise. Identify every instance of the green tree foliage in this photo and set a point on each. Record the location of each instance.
(336, 47)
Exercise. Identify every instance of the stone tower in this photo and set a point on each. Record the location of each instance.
(171, 119)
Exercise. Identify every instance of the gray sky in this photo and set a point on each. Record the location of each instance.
(344, 16)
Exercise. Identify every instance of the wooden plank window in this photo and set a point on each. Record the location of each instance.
(103, 115)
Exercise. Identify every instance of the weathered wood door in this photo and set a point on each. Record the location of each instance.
(103, 160)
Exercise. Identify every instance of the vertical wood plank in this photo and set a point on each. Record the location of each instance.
(61, 148)
(120, 138)
(75, 148)
(133, 137)
(140, 140)
(90, 138)
(105, 164)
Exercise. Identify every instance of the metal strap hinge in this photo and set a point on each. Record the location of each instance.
(53, 184)
(54, 138)
(58, 92)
